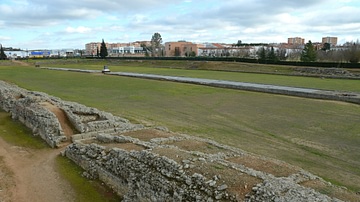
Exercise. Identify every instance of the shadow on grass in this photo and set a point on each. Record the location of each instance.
(86, 190)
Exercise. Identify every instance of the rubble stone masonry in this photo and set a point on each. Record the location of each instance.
(154, 164)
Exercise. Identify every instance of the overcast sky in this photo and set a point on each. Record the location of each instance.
(51, 24)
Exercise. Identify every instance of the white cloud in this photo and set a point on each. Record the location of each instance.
(200, 20)
(80, 30)
(5, 38)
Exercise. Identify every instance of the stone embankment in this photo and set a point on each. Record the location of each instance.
(326, 72)
(154, 164)
(33, 109)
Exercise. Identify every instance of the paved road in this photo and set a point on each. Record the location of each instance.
(283, 90)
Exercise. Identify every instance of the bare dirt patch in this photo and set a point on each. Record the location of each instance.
(193, 145)
(20, 63)
(60, 114)
(148, 134)
(34, 177)
(277, 169)
(7, 181)
(173, 154)
(239, 184)
(126, 146)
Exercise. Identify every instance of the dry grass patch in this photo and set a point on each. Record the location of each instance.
(172, 153)
(148, 134)
(239, 184)
(277, 169)
(331, 190)
(125, 146)
(193, 145)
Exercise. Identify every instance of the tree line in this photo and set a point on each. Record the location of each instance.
(349, 53)
(266, 53)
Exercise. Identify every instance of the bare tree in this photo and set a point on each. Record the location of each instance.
(353, 53)
(156, 41)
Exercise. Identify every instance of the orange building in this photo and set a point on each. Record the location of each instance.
(181, 48)
(296, 41)
(91, 48)
(331, 40)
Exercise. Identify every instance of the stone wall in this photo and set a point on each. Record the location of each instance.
(339, 72)
(144, 175)
(28, 108)
(144, 164)
(25, 107)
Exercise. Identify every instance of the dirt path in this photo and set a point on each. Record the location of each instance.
(60, 114)
(32, 175)
(20, 63)
(29, 174)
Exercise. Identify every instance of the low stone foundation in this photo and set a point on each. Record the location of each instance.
(160, 170)
(28, 107)
(154, 164)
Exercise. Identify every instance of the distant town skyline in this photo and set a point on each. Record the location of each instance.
(40, 24)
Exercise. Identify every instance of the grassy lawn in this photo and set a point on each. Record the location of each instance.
(174, 68)
(322, 137)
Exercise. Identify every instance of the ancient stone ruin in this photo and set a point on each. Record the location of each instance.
(328, 72)
(154, 164)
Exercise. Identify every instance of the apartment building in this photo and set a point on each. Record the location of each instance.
(296, 41)
(91, 48)
(181, 48)
(116, 48)
(331, 40)
(126, 51)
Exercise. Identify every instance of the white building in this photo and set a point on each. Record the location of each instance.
(126, 50)
(16, 54)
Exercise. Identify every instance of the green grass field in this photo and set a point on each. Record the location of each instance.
(322, 137)
(176, 69)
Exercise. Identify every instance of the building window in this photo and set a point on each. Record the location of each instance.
(177, 51)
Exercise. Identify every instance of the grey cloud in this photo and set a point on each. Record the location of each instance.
(44, 12)
(257, 12)
(212, 20)
(345, 15)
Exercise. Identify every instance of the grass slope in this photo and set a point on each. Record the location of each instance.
(320, 136)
